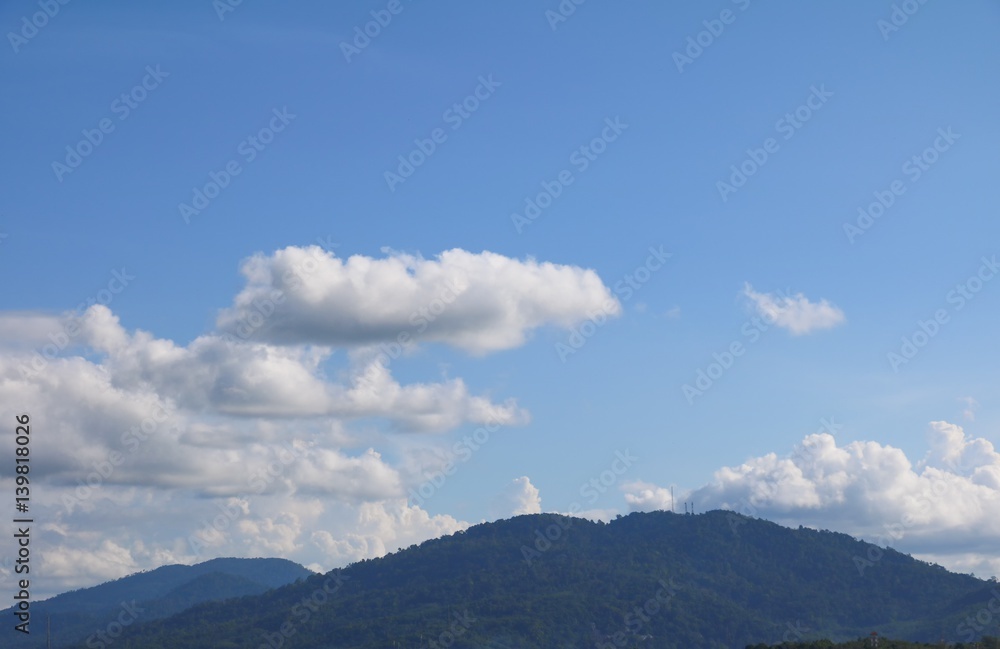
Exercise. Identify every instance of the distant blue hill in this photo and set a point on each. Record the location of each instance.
(79, 615)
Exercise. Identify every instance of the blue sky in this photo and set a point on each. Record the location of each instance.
(869, 98)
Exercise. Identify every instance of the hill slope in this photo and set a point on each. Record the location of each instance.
(78, 614)
(645, 580)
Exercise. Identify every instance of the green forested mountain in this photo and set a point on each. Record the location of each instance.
(80, 615)
(646, 580)
(883, 643)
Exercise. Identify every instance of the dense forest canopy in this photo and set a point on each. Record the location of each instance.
(646, 580)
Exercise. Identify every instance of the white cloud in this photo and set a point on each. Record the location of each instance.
(95, 561)
(380, 527)
(148, 442)
(518, 497)
(170, 443)
(975, 458)
(157, 452)
(605, 515)
(479, 302)
(947, 505)
(216, 375)
(155, 440)
(645, 496)
(440, 406)
(28, 329)
(794, 313)
(969, 413)
(117, 539)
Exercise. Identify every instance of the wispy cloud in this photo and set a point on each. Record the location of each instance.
(969, 412)
(794, 313)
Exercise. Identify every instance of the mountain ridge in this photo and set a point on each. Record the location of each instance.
(85, 612)
(715, 579)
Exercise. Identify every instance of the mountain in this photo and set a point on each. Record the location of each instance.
(647, 580)
(79, 615)
(879, 643)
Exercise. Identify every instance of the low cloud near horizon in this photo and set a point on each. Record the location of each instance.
(242, 442)
(869, 490)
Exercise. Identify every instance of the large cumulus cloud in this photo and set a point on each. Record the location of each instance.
(479, 302)
(265, 436)
(945, 506)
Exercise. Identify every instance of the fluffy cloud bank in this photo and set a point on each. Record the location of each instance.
(250, 440)
(794, 313)
(945, 506)
(150, 452)
(217, 375)
(138, 529)
(479, 302)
